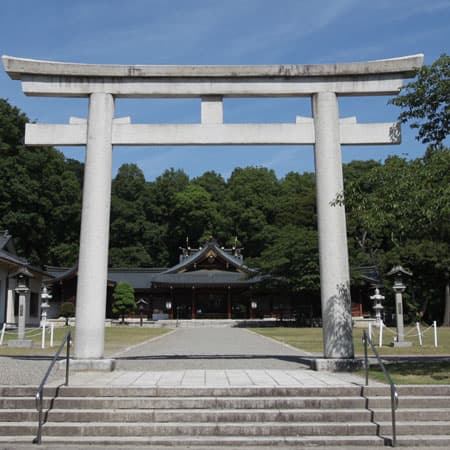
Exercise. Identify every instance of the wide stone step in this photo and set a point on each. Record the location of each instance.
(417, 428)
(413, 415)
(252, 391)
(189, 415)
(191, 429)
(186, 403)
(416, 402)
(423, 441)
(409, 390)
(332, 391)
(206, 442)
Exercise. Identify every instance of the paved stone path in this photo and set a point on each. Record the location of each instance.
(213, 357)
(210, 348)
(192, 357)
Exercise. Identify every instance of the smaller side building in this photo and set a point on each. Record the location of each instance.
(10, 264)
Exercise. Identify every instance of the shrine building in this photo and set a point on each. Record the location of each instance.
(209, 282)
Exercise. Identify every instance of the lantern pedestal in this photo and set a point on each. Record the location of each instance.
(20, 343)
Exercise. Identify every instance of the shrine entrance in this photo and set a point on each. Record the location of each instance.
(325, 130)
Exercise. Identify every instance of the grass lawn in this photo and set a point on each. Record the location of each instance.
(117, 338)
(417, 372)
(409, 372)
(310, 340)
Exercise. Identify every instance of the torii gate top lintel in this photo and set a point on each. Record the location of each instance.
(17, 67)
(48, 78)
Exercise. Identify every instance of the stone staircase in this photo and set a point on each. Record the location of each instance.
(348, 417)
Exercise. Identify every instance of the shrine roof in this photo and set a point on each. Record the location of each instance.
(203, 252)
(204, 278)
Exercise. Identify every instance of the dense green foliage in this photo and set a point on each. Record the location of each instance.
(124, 302)
(39, 194)
(426, 101)
(397, 212)
(67, 311)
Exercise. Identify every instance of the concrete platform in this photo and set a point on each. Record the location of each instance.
(214, 378)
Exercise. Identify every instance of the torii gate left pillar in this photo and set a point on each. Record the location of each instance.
(323, 83)
(94, 234)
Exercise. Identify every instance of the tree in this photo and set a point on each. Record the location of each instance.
(293, 256)
(427, 101)
(128, 221)
(399, 213)
(251, 205)
(67, 311)
(296, 204)
(40, 195)
(164, 190)
(195, 214)
(124, 302)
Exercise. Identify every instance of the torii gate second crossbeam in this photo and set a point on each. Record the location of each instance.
(324, 83)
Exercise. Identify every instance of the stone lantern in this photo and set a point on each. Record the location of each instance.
(399, 273)
(378, 307)
(141, 303)
(45, 297)
(22, 277)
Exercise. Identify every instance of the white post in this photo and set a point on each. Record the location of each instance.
(419, 333)
(3, 333)
(370, 330)
(334, 267)
(52, 330)
(380, 340)
(43, 335)
(94, 236)
(22, 292)
(435, 334)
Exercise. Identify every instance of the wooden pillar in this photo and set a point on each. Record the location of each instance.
(229, 312)
(193, 305)
(172, 301)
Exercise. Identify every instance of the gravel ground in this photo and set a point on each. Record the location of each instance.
(20, 370)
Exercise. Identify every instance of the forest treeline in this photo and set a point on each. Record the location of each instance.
(398, 212)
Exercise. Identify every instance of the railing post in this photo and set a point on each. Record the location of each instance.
(40, 391)
(393, 408)
(366, 359)
(38, 437)
(435, 334)
(69, 337)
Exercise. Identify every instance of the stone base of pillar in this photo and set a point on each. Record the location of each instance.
(20, 343)
(336, 365)
(82, 365)
(401, 344)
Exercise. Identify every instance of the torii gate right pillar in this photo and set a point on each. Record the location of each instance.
(334, 267)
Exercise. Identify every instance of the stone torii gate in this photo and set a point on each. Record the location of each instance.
(101, 84)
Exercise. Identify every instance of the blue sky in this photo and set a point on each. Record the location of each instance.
(221, 32)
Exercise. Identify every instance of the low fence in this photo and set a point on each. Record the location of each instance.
(46, 331)
(378, 330)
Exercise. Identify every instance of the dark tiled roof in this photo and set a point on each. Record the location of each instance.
(140, 278)
(204, 278)
(8, 257)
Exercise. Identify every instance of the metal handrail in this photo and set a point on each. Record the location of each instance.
(394, 392)
(40, 391)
